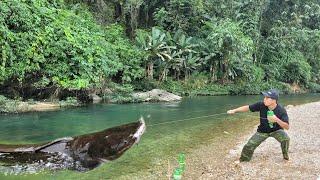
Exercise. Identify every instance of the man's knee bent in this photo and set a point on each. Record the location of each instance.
(285, 138)
(250, 145)
(281, 136)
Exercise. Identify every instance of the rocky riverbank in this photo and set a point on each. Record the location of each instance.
(16, 106)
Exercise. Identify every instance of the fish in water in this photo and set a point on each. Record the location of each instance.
(80, 153)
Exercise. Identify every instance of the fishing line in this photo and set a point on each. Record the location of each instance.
(212, 115)
(186, 119)
(252, 116)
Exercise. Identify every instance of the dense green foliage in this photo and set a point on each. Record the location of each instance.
(49, 47)
(44, 45)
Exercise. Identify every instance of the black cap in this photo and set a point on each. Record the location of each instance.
(272, 93)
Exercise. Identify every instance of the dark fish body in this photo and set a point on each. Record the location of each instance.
(81, 153)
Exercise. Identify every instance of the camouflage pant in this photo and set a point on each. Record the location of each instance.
(280, 135)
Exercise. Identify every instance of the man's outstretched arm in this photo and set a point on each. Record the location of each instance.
(239, 109)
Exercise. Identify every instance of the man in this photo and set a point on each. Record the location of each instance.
(271, 124)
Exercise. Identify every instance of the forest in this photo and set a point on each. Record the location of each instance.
(54, 49)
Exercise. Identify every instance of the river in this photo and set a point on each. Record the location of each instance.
(171, 128)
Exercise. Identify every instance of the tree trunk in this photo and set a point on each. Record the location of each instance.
(118, 12)
(213, 77)
(150, 70)
(134, 14)
(186, 75)
(225, 70)
(163, 75)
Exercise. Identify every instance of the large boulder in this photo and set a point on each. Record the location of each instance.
(156, 95)
(95, 98)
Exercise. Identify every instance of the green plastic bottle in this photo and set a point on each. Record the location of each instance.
(182, 161)
(270, 113)
(177, 174)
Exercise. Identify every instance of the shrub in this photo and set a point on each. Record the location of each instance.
(313, 87)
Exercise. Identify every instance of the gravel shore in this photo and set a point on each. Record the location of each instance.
(267, 161)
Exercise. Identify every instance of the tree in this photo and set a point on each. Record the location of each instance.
(190, 63)
(154, 46)
(46, 47)
(185, 15)
(230, 47)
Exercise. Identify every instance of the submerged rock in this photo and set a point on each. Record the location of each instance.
(80, 153)
(157, 95)
(44, 106)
